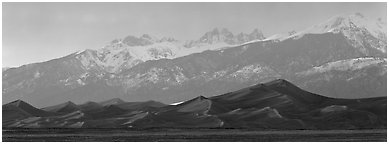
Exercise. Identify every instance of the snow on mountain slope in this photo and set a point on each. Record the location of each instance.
(125, 53)
(361, 31)
(345, 65)
(344, 22)
(177, 103)
(349, 78)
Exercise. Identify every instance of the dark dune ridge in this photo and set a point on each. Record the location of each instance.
(277, 104)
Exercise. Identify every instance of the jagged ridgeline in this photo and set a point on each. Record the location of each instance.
(277, 104)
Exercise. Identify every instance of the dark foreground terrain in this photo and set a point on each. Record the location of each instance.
(272, 111)
(199, 135)
(277, 104)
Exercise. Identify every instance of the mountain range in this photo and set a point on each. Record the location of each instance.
(277, 104)
(343, 57)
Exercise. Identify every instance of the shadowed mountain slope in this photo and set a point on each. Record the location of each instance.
(66, 107)
(19, 109)
(90, 106)
(113, 101)
(140, 105)
(276, 104)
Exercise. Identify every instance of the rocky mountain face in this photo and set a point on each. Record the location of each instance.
(360, 77)
(344, 57)
(223, 35)
(122, 54)
(274, 105)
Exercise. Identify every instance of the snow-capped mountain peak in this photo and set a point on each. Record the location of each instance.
(256, 34)
(216, 36)
(362, 32)
(125, 53)
(347, 22)
(137, 41)
(121, 54)
(149, 37)
(225, 36)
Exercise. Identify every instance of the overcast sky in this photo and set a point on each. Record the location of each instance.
(35, 32)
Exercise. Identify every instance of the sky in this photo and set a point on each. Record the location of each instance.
(37, 32)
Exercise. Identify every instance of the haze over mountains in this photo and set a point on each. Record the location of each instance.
(274, 105)
(343, 57)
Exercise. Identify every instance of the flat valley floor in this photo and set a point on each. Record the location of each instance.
(195, 135)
